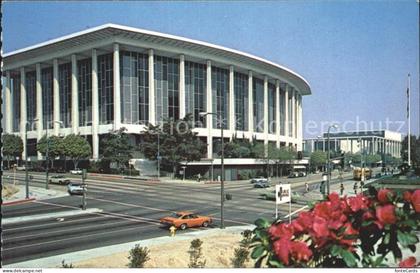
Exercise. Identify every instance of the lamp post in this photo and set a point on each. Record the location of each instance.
(329, 157)
(222, 182)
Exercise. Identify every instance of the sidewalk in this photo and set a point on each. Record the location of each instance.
(34, 193)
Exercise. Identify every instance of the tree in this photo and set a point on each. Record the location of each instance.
(55, 147)
(76, 148)
(318, 158)
(12, 147)
(116, 148)
(414, 151)
(373, 158)
(177, 142)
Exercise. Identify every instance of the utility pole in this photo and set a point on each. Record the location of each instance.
(84, 174)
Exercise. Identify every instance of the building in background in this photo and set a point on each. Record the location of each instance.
(370, 142)
(113, 76)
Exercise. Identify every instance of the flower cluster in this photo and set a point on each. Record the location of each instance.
(331, 232)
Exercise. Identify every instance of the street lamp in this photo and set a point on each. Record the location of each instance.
(329, 157)
(222, 182)
(47, 151)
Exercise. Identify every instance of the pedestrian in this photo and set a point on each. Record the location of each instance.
(355, 187)
(362, 184)
(341, 189)
(306, 187)
(198, 177)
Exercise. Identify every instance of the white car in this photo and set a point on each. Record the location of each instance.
(76, 171)
(74, 188)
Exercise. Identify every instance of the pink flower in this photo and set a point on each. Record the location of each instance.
(407, 196)
(356, 203)
(281, 231)
(384, 195)
(320, 227)
(415, 200)
(386, 214)
(281, 249)
(300, 251)
(409, 262)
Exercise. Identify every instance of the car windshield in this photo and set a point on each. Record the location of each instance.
(76, 185)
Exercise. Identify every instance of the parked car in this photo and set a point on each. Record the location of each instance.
(186, 219)
(76, 171)
(258, 179)
(293, 175)
(59, 179)
(74, 188)
(271, 195)
(301, 174)
(261, 184)
(20, 168)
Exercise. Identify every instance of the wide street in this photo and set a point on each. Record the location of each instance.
(130, 211)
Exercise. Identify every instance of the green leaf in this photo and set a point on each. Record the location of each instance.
(257, 252)
(349, 258)
(335, 250)
(366, 223)
(406, 239)
(275, 263)
(261, 222)
(386, 238)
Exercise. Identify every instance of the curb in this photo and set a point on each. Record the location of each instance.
(82, 255)
(17, 202)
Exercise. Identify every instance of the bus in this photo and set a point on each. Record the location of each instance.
(359, 172)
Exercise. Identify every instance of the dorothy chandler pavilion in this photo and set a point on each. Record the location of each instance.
(112, 76)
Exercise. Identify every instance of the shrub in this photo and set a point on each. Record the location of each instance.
(241, 255)
(196, 256)
(64, 265)
(138, 256)
(334, 232)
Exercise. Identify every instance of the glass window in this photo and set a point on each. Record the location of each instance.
(16, 101)
(30, 96)
(220, 92)
(271, 108)
(47, 97)
(241, 101)
(134, 74)
(258, 102)
(166, 88)
(105, 88)
(195, 91)
(64, 82)
(84, 71)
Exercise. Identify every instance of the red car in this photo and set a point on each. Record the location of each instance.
(184, 219)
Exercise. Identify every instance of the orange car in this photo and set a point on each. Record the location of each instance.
(184, 219)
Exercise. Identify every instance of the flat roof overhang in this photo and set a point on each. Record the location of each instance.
(104, 32)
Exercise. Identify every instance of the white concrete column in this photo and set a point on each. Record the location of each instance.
(231, 124)
(250, 104)
(56, 96)
(181, 86)
(266, 113)
(8, 104)
(23, 115)
(286, 111)
(294, 114)
(209, 118)
(277, 113)
(117, 93)
(95, 106)
(74, 96)
(152, 111)
(39, 116)
(300, 124)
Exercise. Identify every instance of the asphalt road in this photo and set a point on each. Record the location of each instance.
(131, 210)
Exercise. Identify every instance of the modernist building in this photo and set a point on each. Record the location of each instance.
(113, 76)
(368, 142)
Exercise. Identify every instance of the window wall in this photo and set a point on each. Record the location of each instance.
(105, 88)
(84, 71)
(220, 92)
(271, 108)
(30, 85)
(166, 87)
(241, 101)
(16, 101)
(258, 103)
(64, 83)
(47, 97)
(134, 70)
(195, 91)
(282, 109)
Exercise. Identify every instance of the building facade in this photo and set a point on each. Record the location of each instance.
(368, 142)
(113, 76)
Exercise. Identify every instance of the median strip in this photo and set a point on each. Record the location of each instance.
(29, 218)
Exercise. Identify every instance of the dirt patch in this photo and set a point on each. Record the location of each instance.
(217, 251)
(8, 191)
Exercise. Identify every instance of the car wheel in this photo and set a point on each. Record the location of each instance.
(205, 224)
(183, 226)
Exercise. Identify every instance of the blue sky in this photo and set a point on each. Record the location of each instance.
(355, 54)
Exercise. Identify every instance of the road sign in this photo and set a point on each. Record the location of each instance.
(283, 194)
